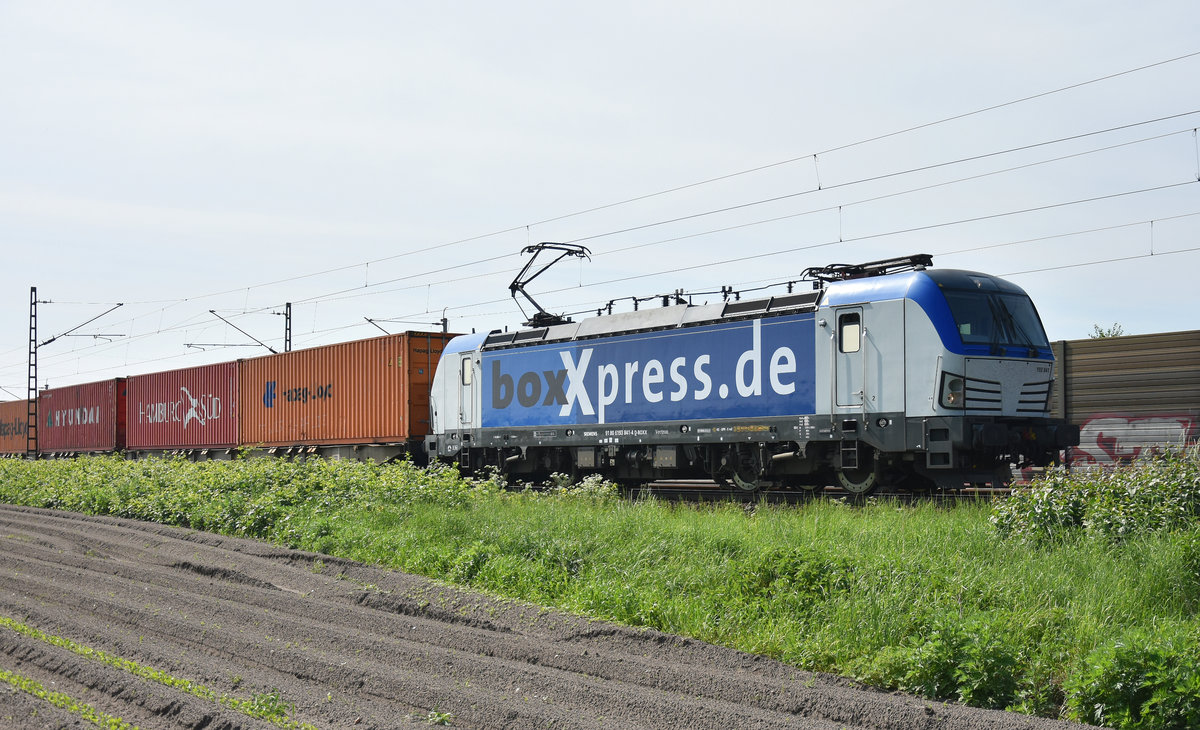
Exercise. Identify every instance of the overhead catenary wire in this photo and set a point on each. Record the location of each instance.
(813, 246)
(99, 347)
(347, 327)
(748, 204)
(707, 181)
(355, 292)
(376, 285)
(869, 140)
(924, 168)
(830, 243)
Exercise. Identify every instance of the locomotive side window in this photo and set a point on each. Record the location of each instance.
(850, 332)
(466, 371)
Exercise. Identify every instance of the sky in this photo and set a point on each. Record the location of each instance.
(204, 163)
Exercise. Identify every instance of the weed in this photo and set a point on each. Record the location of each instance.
(1140, 681)
(266, 706)
(438, 718)
(64, 702)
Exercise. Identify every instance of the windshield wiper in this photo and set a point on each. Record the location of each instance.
(1020, 336)
(999, 326)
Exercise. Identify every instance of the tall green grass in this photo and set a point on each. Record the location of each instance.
(973, 602)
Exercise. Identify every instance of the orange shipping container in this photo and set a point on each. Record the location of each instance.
(14, 428)
(372, 391)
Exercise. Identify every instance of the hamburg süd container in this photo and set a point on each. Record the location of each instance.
(82, 418)
(373, 391)
(191, 408)
(14, 427)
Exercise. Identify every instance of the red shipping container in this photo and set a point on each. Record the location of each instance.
(372, 391)
(14, 432)
(192, 408)
(88, 417)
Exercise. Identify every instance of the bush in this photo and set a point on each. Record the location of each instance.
(250, 497)
(1156, 494)
(972, 662)
(1140, 681)
(926, 599)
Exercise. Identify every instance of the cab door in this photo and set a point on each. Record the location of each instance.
(849, 376)
(466, 396)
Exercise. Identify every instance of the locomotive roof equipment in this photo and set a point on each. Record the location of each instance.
(543, 318)
(843, 272)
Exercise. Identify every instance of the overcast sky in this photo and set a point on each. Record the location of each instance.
(390, 159)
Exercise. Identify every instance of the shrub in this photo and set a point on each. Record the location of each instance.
(972, 662)
(1140, 681)
(1156, 494)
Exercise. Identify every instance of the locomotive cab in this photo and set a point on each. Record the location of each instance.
(940, 373)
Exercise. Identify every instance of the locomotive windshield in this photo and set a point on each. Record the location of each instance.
(996, 318)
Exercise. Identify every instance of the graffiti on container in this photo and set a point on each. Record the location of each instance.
(296, 395)
(15, 427)
(1122, 439)
(184, 409)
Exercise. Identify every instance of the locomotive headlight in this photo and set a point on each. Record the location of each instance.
(953, 391)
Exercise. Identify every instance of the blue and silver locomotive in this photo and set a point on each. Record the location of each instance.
(887, 374)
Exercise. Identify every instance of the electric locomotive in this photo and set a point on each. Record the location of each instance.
(886, 374)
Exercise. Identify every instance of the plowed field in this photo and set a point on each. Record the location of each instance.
(166, 627)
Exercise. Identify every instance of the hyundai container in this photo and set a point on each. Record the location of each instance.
(82, 418)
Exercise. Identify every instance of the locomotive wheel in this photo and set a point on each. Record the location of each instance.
(751, 484)
(859, 482)
(746, 470)
(862, 481)
(739, 468)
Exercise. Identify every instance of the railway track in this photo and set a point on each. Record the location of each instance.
(708, 491)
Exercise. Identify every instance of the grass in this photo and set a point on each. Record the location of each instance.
(1010, 606)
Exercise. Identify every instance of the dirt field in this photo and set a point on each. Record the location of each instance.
(358, 647)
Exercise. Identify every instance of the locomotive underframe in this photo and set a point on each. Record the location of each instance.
(810, 451)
